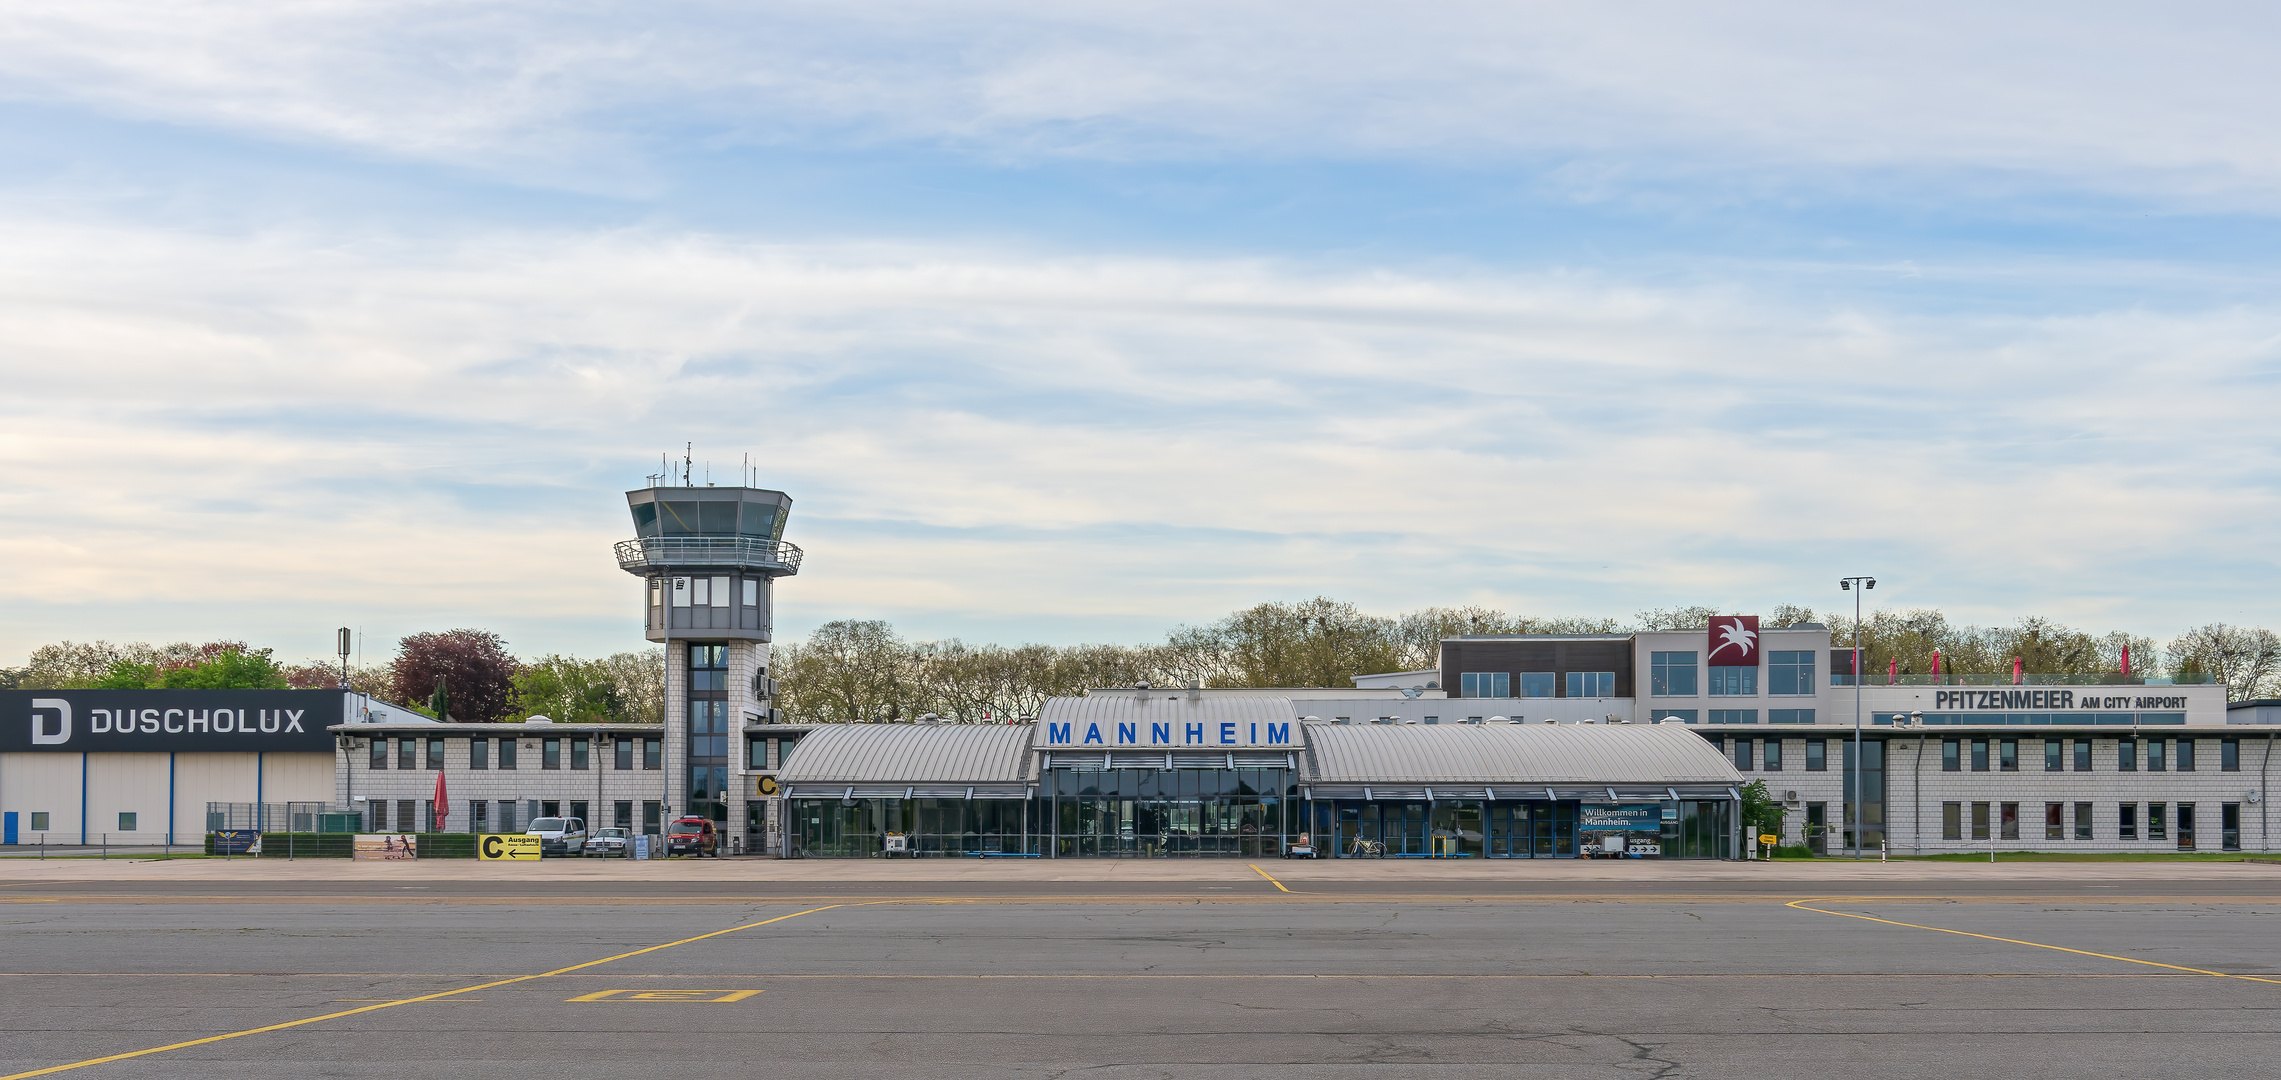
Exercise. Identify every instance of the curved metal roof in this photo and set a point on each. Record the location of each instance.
(1516, 754)
(910, 754)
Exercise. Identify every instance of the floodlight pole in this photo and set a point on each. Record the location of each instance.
(1848, 584)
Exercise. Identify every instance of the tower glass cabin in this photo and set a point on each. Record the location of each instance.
(708, 558)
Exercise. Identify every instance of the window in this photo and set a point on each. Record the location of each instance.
(39, 821)
(756, 753)
(2229, 755)
(1671, 674)
(751, 592)
(625, 756)
(578, 810)
(2054, 821)
(2154, 749)
(1734, 716)
(405, 821)
(2185, 755)
(2126, 821)
(436, 754)
(379, 753)
(2082, 821)
(1789, 716)
(1948, 754)
(2054, 756)
(2155, 822)
(1536, 684)
(2008, 755)
(1591, 684)
(651, 812)
(1485, 684)
(653, 753)
(126, 821)
(550, 809)
(2011, 820)
(1979, 755)
(1734, 681)
(2229, 826)
(1817, 756)
(2184, 819)
(2126, 754)
(1790, 672)
(2082, 755)
(622, 815)
(1742, 755)
(479, 814)
(407, 753)
(1980, 821)
(550, 755)
(1952, 821)
(478, 753)
(1770, 759)
(709, 729)
(506, 815)
(507, 753)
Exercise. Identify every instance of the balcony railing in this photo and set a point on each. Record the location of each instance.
(2005, 679)
(692, 552)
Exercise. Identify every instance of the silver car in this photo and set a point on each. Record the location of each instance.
(608, 842)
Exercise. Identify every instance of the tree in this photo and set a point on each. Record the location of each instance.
(640, 679)
(474, 663)
(568, 689)
(2245, 658)
(216, 665)
(1761, 812)
(848, 671)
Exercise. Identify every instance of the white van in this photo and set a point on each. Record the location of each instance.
(559, 835)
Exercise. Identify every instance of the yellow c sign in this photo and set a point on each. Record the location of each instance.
(495, 847)
(767, 785)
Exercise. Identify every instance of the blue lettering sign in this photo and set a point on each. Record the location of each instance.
(1279, 734)
(1227, 734)
(1127, 734)
(1057, 733)
(1092, 733)
(1160, 733)
(1195, 733)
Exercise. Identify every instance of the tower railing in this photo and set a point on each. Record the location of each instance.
(670, 552)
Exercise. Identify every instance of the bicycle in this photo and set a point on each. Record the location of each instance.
(1374, 849)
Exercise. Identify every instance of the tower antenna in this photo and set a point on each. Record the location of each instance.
(685, 452)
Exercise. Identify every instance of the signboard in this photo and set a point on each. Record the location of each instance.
(1734, 641)
(1174, 734)
(641, 846)
(1626, 817)
(1769, 838)
(766, 785)
(507, 847)
(162, 721)
(237, 842)
(387, 846)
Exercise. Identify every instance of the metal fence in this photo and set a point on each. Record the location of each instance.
(300, 817)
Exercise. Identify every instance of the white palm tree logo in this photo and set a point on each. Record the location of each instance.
(1736, 635)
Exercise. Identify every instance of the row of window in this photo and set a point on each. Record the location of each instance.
(705, 592)
(1673, 674)
(2080, 821)
(410, 754)
(1766, 754)
(1736, 716)
(1536, 684)
(2161, 755)
(501, 816)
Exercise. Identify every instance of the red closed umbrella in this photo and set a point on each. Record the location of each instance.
(443, 803)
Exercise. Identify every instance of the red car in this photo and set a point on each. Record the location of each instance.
(693, 835)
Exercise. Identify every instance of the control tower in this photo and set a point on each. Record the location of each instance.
(709, 558)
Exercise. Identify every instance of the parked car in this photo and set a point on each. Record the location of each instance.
(558, 835)
(608, 842)
(694, 836)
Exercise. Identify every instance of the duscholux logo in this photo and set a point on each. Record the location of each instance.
(51, 721)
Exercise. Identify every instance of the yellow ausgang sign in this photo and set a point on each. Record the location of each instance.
(493, 847)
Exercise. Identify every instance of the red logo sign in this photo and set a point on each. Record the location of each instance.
(1734, 641)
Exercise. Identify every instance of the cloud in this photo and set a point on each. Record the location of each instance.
(416, 430)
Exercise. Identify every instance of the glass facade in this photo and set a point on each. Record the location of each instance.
(708, 719)
(1151, 812)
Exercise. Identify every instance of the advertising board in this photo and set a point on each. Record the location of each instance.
(387, 846)
(164, 721)
(1625, 817)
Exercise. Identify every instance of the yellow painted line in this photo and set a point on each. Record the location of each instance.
(1800, 905)
(401, 1001)
(719, 997)
(1270, 877)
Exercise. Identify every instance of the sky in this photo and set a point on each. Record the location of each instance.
(1080, 322)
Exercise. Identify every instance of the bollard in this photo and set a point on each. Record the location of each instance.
(106, 847)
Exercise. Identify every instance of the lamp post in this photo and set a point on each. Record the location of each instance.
(1846, 584)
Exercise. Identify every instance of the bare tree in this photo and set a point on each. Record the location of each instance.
(2245, 658)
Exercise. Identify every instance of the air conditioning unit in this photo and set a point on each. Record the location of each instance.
(1789, 796)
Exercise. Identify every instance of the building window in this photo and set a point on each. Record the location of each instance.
(578, 810)
(478, 815)
(1790, 672)
(1734, 716)
(1496, 684)
(1952, 821)
(2229, 826)
(2154, 749)
(1770, 758)
(2229, 755)
(2185, 755)
(1742, 755)
(1817, 756)
(506, 815)
(2126, 821)
(653, 753)
(2082, 755)
(436, 755)
(126, 821)
(2156, 822)
(2008, 755)
(756, 753)
(751, 592)
(379, 753)
(1980, 821)
(1671, 674)
(622, 815)
(2054, 756)
(1734, 682)
(579, 748)
(1591, 684)
(478, 753)
(507, 753)
(1685, 716)
(2083, 821)
(1536, 684)
(407, 753)
(549, 808)
(550, 753)
(1979, 755)
(1789, 716)
(2126, 754)
(2011, 820)
(652, 811)
(625, 749)
(2185, 823)
(1948, 754)
(2054, 821)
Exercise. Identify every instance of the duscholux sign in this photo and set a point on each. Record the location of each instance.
(182, 721)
